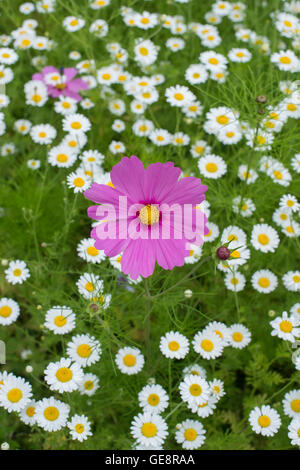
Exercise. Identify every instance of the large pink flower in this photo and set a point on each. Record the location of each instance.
(61, 82)
(148, 192)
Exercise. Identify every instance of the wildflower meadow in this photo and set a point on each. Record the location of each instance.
(150, 223)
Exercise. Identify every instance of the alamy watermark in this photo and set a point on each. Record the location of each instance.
(149, 221)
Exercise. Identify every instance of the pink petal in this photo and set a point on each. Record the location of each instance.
(138, 258)
(128, 177)
(160, 179)
(188, 190)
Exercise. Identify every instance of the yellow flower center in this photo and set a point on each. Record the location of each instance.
(195, 390)
(213, 61)
(190, 434)
(153, 399)
(51, 413)
(36, 98)
(264, 282)
(263, 239)
(79, 428)
(64, 374)
(149, 215)
(296, 278)
(92, 251)
(89, 384)
(17, 272)
(30, 411)
(178, 96)
(173, 346)
(14, 395)
(264, 421)
(295, 405)
(62, 157)
(291, 107)
(79, 182)
(60, 320)
(5, 311)
(286, 326)
(211, 167)
(207, 345)
(84, 350)
(149, 430)
(237, 336)
(129, 360)
(144, 51)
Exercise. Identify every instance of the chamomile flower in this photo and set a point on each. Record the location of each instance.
(6, 75)
(15, 393)
(195, 369)
(191, 434)
(60, 320)
(145, 52)
(239, 55)
(8, 56)
(71, 23)
(264, 281)
(205, 409)
(238, 336)
(43, 134)
(116, 147)
(291, 281)
(235, 281)
(219, 328)
(80, 428)
(33, 164)
(295, 310)
(63, 376)
(286, 60)
(194, 390)
(89, 384)
(153, 398)
(213, 232)
(62, 156)
(174, 345)
(294, 431)
(195, 74)
(51, 414)
(9, 311)
(289, 202)
(175, 44)
(142, 127)
(264, 238)
(76, 124)
(194, 254)
(179, 96)
(35, 93)
(212, 166)
(65, 105)
(208, 344)
(235, 235)
(264, 420)
(88, 252)
(291, 404)
(28, 414)
(213, 61)
(217, 388)
(74, 142)
(149, 429)
(118, 125)
(78, 181)
(89, 285)
(249, 175)
(129, 360)
(84, 349)
(247, 207)
(17, 272)
(200, 148)
(286, 327)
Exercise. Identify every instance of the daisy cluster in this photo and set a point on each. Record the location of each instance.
(162, 89)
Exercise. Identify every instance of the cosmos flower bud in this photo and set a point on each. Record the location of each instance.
(223, 252)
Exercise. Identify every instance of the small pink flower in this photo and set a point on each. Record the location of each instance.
(61, 82)
(148, 192)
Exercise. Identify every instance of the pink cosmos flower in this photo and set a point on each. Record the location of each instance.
(61, 82)
(134, 220)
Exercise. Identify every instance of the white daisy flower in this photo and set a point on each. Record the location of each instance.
(213, 232)
(15, 393)
(33, 164)
(88, 252)
(153, 398)
(179, 96)
(174, 345)
(43, 134)
(264, 420)
(294, 432)
(234, 281)
(51, 414)
(195, 369)
(78, 181)
(208, 344)
(129, 360)
(76, 124)
(264, 238)
(17, 272)
(84, 349)
(286, 327)
(191, 434)
(150, 430)
(264, 281)
(80, 428)
(217, 388)
(60, 320)
(89, 384)
(63, 376)
(238, 336)
(89, 285)
(62, 156)
(291, 281)
(205, 409)
(291, 404)
(289, 202)
(219, 328)
(194, 390)
(212, 166)
(28, 414)
(9, 311)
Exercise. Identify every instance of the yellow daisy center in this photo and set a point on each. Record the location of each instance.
(64, 374)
